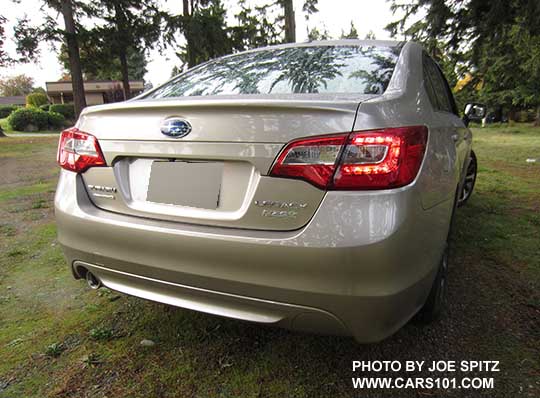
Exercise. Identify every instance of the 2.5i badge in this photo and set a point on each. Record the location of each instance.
(280, 209)
(279, 213)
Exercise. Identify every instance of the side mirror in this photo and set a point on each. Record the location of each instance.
(474, 112)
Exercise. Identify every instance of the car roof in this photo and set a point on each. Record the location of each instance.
(320, 43)
(323, 43)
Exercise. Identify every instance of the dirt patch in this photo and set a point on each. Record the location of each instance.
(26, 160)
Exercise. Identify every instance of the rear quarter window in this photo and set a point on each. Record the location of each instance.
(437, 87)
(316, 69)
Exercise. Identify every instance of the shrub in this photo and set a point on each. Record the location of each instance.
(45, 107)
(5, 110)
(36, 100)
(28, 119)
(66, 110)
(56, 120)
(41, 119)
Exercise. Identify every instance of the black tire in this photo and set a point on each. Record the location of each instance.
(436, 301)
(470, 180)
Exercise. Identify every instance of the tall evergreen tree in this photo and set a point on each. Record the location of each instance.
(72, 44)
(353, 33)
(203, 24)
(288, 16)
(316, 35)
(210, 34)
(289, 20)
(4, 58)
(255, 27)
(98, 62)
(29, 38)
(130, 26)
(493, 41)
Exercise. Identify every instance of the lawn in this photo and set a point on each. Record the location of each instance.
(59, 339)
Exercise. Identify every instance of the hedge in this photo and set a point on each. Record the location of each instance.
(28, 119)
(56, 120)
(67, 110)
(45, 107)
(36, 99)
(5, 110)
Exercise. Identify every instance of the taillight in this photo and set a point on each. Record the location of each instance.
(313, 160)
(374, 159)
(78, 151)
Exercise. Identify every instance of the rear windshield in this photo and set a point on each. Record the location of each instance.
(317, 69)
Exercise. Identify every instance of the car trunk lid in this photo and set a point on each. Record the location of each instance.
(217, 175)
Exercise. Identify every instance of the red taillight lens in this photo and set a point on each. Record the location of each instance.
(376, 159)
(313, 160)
(78, 151)
(394, 158)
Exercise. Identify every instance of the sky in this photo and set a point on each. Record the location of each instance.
(333, 15)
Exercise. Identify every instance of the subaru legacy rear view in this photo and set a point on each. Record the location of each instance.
(310, 186)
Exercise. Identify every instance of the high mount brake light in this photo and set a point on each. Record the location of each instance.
(78, 151)
(374, 159)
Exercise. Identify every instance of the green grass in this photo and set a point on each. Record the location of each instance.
(15, 193)
(60, 339)
(507, 198)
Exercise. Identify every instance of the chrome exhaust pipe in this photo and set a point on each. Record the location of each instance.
(92, 281)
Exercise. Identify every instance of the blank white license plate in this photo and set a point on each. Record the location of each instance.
(193, 184)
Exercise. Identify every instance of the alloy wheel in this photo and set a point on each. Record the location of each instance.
(470, 179)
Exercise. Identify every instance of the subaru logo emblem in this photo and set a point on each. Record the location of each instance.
(175, 127)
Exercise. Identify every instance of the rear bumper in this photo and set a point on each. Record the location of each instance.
(362, 266)
(218, 303)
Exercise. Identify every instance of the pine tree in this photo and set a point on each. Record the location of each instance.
(29, 37)
(495, 42)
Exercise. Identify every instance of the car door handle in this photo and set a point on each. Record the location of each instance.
(455, 137)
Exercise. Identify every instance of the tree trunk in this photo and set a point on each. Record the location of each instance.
(499, 113)
(186, 8)
(2, 133)
(537, 119)
(512, 115)
(125, 74)
(188, 11)
(77, 82)
(124, 40)
(290, 24)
